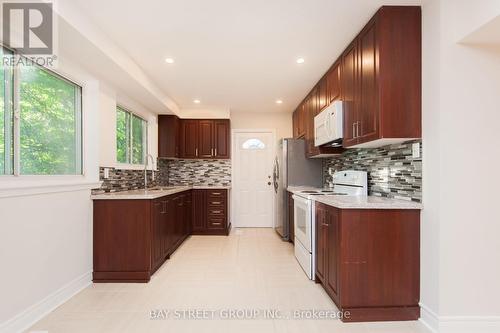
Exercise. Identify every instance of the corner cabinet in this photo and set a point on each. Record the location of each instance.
(205, 139)
(368, 261)
(169, 132)
(133, 238)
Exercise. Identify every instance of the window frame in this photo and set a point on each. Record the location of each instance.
(16, 120)
(145, 148)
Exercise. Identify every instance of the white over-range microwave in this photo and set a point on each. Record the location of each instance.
(328, 125)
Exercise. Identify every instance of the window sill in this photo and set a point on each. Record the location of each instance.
(124, 166)
(33, 185)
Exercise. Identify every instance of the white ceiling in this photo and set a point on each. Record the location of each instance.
(233, 54)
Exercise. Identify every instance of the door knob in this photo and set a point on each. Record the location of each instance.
(268, 183)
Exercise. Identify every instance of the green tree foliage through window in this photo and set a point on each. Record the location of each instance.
(131, 142)
(45, 136)
(49, 126)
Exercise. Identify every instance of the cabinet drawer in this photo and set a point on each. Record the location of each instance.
(217, 201)
(216, 194)
(216, 222)
(216, 211)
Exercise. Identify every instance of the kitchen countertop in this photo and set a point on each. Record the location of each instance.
(149, 194)
(358, 202)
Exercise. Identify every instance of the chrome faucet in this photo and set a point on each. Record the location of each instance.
(146, 170)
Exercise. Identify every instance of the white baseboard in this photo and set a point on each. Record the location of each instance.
(458, 324)
(429, 318)
(34, 313)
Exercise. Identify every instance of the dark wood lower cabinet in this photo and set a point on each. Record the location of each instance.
(133, 238)
(368, 261)
(210, 212)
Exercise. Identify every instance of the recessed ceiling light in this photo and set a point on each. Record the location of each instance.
(279, 101)
(169, 60)
(300, 60)
(196, 101)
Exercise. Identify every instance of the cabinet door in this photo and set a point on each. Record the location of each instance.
(188, 214)
(198, 222)
(205, 139)
(332, 249)
(295, 124)
(179, 219)
(349, 79)
(333, 83)
(157, 230)
(189, 138)
(168, 136)
(367, 125)
(222, 139)
(322, 94)
(321, 242)
(301, 119)
(313, 110)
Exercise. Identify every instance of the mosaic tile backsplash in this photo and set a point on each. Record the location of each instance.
(124, 180)
(392, 171)
(194, 172)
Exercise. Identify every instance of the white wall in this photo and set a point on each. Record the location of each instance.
(281, 122)
(46, 238)
(461, 124)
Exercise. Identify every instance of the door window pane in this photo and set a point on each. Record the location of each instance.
(50, 123)
(253, 144)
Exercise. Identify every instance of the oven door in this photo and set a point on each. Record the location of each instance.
(302, 221)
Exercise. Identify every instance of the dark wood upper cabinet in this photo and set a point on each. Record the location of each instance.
(378, 79)
(222, 135)
(197, 138)
(189, 138)
(387, 81)
(205, 139)
(333, 83)
(349, 91)
(169, 131)
(322, 95)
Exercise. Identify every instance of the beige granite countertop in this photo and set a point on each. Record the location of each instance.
(358, 202)
(148, 194)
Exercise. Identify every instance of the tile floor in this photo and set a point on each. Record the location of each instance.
(250, 269)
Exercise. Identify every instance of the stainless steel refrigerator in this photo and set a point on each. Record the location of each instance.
(292, 168)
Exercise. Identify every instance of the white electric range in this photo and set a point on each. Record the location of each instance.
(349, 182)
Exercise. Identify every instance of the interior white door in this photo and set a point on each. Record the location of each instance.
(253, 202)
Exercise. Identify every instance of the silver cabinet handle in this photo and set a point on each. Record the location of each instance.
(358, 126)
(215, 202)
(196, 151)
(211, 152)
(215, 152)
(353, 130)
